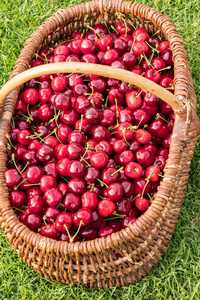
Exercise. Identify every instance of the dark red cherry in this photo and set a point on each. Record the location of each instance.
(141, 186)
(144, 157)
(51, 214)
(47, 182)
(115, 191)
(76, 169)
(17, 198)
(12, 178)
(105, 231)
(77, 186)
(63, 133)
(128, 220)
(64, 220)
(97, 219)
(89, 200)
(33, 221)
(36, 203)
(49, 231)
(62, 166)
(72, 202)
(141, 203)
(110, 56)
(99, 159)
(91, 174)
(123, 206)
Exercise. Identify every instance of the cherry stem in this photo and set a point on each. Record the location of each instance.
(81, 123)
(167, 68)
(30, 117)
(44, 220)
(64, 178)
(160, 117)
(113, 28)
(102, 183)
(151, 198)
(16, 187)
(9, 140)
(151, 47)
(124, 134)
(88, 26)
(141, 58)
(118, 215)
(135, 197)
(58, 138)
(106, 103)
(45, 59)
(87, 146)
(117, 112)
(138, 125)
(80, 76)
(138, 95)
(16, 208)
(14, 161)
(28, 162)
(79, 227)
(147, 60)
(128, 21)
(119, 170)
(131, 50)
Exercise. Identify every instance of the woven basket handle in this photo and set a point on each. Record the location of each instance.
(102, 70)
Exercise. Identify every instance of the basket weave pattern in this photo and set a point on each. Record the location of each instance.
(142, 244)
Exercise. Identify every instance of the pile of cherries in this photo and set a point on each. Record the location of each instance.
(87, 152)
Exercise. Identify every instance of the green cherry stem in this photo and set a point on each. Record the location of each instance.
(102, 183)
(9, 140)
(124, 134)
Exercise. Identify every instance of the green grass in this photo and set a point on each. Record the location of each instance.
(177, 275)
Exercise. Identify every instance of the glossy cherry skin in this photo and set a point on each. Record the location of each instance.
(110, 56)
(99, 159)
(12, 178)
(63, 187)
(115, 191)
(47, 182)
(141, 203)
(158, 129)
(74, 150)
(76, 169)
(119, 146)
(72, 202)
(128, 220)
(23, 137)
(105, 231)
(89, 200)
(17, 198)
(36, 204)
(163, 152)
(77, 186)
(63, 133)
(91, 174)
(82, 217)
(77, 137)
(92, 115)
(60, 151)
(63, 220)
(51, 141)
(51, 214)
(152, 173)
(30, 96)
(109, 175)
(123, 206)
(133, 100)
(144, 157)
(33, 221)
(34, 174)
(23, 124)
(59, 83)
(62, 165)
(49, 231)
(143, 136)
(141, 186)
(133, 170)
(128, 188)
(125, 157)
(53, 197)
(106, 207)
(44, 153)
(32, 191)
(62, 102)
(99, 133)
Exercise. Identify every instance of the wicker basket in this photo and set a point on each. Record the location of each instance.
(94, 263)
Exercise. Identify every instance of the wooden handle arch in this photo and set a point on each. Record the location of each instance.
(87, 68)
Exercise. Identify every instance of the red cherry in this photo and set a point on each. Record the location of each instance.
(34, 174)
(47, 182)
(33, 221)
(133, 170)
(89, 200)
(30, 96)
(77, 186)
(106, 207)
(63, 221)
(53, 197)
(152, 173)
(115, 191)
(99, 159)
(12, 178)
(82, 217)
(141, 203)
(76, 169)
(49, 231)
(133, 100)
(51, 214)
(36, 204)
(17, 198)
(105, 231)
(128, 220)
(72, 202)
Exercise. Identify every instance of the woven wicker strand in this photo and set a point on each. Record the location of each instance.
(143, 243)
